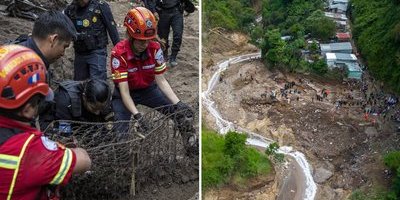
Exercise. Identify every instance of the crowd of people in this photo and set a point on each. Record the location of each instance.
(366, 101)
(31, 165)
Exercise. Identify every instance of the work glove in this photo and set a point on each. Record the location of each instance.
(143, 126)
(184, 123)
(184, 109)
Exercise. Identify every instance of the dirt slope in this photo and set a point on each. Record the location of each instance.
(344, 150)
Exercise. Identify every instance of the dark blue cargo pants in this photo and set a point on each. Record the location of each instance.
(91, 65)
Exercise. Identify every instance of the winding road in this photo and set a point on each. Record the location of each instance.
(298, 184)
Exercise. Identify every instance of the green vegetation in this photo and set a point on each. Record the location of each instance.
(377, 34)
(391, 160)
(375, 194)
(319, 26)
(272, 151)
(233, 15)
(293, 18)
(228, 158)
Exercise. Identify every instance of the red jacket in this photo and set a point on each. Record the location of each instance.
(139, 72)
(29, 161)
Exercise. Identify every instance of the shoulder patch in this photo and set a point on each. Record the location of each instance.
(115, 63)
(159, 57)
(48, 144)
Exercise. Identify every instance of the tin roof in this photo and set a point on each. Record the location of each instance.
(353, 67)
(342, 7)
(336, 15)
(343, 35)
(341, 56)
(336, 46)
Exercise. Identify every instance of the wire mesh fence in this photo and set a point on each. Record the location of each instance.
(126, 157)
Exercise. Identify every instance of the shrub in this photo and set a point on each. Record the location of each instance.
(228, 158)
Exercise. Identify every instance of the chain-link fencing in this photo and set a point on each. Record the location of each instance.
(126, 157)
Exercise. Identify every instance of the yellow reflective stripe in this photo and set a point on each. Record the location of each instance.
(17, 169)
(8, 162)
(160, 68)
(64, 168)
(120, 75)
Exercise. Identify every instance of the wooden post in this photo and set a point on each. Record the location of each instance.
(133, 186)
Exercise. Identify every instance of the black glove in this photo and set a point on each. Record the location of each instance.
(143, 126)
(184, 109)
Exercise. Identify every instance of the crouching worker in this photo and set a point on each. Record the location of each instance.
(86, 101)
(83, 100)
(137, 66)
(30, 163)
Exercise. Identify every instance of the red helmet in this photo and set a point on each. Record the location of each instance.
(22, 75)
(141, 24)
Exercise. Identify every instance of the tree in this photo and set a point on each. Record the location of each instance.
(320, 67)
(235, 143)
(313, 47)
(272, 150)
(320, 26)
(276, 48)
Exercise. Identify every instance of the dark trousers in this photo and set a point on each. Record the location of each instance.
(151, 97)
(171, 18)
(91, 65)
(154, 98)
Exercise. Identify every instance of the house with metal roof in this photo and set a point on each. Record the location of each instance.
(338, 8)
(340, 47)
(343, 37)
(339, 1)
(337, 16)
(334, 58)
(354, 71)
(341, 25)
(349, 61)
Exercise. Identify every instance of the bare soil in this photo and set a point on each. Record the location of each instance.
(334, 139)
(183, 79)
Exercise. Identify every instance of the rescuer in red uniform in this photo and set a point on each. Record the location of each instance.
(30, 163)
(137, 66)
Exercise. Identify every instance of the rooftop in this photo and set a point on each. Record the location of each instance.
(342, 7)
(340, 1)
(341, 56)
(353, 67)
(336, 46)
(343, 35)
(336, 15)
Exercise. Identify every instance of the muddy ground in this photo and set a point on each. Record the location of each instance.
(183, 79)
(344, 149)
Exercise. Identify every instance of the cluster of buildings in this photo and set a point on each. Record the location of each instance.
(340, 52)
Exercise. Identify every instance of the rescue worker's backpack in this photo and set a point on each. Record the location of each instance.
(73, 90)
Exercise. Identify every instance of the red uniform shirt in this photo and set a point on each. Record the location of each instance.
(29, 161)
(138, 71)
